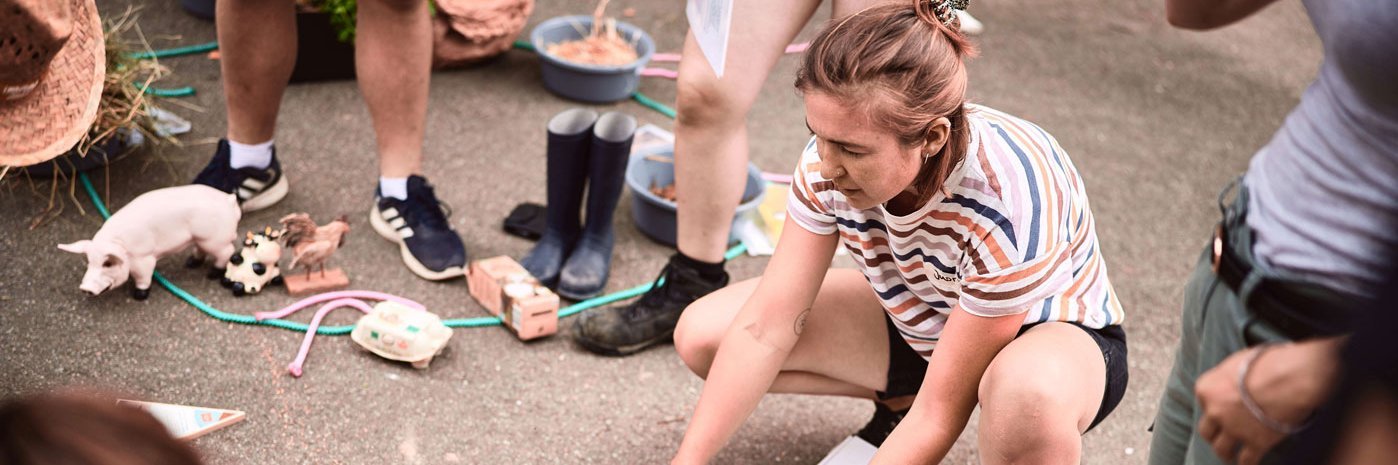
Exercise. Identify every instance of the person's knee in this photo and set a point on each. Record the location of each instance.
(697, 337)
(704, 103)
(1024, 415)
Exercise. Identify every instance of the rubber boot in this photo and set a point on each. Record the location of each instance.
(586, 271)
(569, 140)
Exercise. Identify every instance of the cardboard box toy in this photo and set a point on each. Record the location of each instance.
(509, 292)
(532, 310)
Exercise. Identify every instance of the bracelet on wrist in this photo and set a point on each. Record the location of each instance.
(1256, 410)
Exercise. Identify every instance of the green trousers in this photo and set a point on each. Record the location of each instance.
(1215, 324)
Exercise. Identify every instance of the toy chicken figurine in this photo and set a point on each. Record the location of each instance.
(311, 247)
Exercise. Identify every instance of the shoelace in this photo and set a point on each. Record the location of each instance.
(660, 288)
(223, 178)
(427, 210)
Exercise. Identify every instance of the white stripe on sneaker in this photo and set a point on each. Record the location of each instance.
(254, 184)
(389, 214)
(397, 223)
(245, 193)
(405, 232)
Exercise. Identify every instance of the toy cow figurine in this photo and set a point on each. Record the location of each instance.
(156, 224)
(255, 265)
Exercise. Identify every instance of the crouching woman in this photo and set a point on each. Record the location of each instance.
(980, 280)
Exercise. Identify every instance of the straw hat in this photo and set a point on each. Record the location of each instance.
(52, 65)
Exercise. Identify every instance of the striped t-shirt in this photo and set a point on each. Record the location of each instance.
(1012, 233)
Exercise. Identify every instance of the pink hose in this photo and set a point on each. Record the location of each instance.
(665, 57)
(312, 300)
(675, 57)
(777, 177)
(660, 72)
(295, 366)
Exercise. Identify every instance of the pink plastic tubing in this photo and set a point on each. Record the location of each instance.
(312, 300)
(675, 57)
(776, 177)
(665, 58)
(660, 72)
(295, 366)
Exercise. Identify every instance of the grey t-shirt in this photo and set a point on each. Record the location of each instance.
(1324, 191)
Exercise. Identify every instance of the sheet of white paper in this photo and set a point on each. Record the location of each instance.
(750, 233)
(853, 451)
(650, 137)
(710, 20)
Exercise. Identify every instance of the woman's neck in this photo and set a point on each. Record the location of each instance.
(903, 204)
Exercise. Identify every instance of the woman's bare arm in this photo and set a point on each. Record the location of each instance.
(967, 346)
(1210, 14)
(758, 341)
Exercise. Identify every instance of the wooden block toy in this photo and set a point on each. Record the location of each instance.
(487, 279)
(508, 291)
(532, 310)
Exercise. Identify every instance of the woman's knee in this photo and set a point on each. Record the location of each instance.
(704, 102)
(698, 334)
(1024, 413)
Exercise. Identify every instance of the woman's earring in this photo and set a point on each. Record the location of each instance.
(926, 156)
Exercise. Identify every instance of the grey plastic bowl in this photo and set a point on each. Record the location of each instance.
(589, 83)
(655, 216)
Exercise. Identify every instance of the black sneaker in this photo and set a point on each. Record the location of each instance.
(256, 188)
(882, 424)
(649, 320)
(430, 247)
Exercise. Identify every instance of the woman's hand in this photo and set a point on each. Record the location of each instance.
(758, 341)
(948, 393)
(1288, 383)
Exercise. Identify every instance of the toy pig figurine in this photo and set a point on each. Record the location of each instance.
(156, 224)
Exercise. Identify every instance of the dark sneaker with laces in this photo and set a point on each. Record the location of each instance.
(430, 247)
(881, 425)
(256, 188)
(649, 320)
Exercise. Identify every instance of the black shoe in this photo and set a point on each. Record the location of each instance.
(256, 188)
(430, 247)
(881, 425)
(650, 319)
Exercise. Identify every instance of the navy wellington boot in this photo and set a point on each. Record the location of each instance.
(569, 143)
(586, 271)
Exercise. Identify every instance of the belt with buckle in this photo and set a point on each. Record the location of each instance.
(1297, 309)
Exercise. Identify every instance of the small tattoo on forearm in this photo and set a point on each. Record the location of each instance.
(801, 321)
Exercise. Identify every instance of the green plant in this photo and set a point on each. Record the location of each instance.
(342, 17)
(343, 13)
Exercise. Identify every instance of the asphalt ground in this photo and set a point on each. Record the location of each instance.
(1156, 119)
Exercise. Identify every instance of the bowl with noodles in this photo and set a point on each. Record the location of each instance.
(590, 61)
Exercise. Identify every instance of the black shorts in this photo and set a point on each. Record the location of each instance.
(906, 368)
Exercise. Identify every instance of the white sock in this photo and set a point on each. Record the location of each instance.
(249, 155)
(396, 188)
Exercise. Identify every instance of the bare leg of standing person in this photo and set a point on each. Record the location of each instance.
(393, 58)
(711, 156)
(257, 41)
